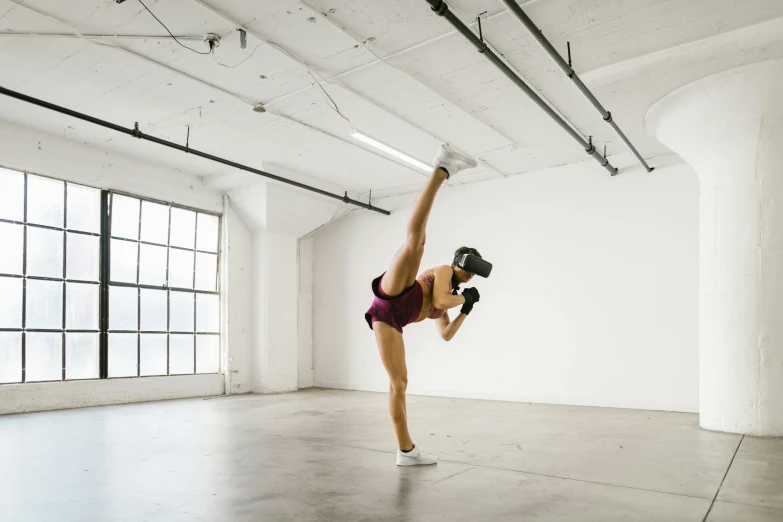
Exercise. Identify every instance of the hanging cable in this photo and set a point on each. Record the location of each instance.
(332, 103)
(214, 58)
(172, 34)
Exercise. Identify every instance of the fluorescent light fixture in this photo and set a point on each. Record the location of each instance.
(372, 142)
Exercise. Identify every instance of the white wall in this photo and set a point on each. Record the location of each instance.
(593, 299)
(40, 153)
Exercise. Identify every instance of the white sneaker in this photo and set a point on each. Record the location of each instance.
(415, 457)
(452, 161)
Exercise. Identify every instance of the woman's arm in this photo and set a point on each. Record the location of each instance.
(448, 328)
(441, 298)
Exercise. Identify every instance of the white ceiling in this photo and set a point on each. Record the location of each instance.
(394, 68)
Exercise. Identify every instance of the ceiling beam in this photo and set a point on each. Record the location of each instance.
(234, 95)
(307, 67)
(385, 61)
(136, 133)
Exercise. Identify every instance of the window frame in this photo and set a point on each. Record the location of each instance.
(104, 282)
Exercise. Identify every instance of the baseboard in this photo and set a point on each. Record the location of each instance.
(682, 407)
(41, 396)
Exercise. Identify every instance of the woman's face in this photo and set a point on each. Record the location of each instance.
(463, 276)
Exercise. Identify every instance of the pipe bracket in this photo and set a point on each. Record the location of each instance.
(441, 8)
(136, 131)
(608, 117)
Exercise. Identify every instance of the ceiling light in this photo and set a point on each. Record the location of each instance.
(372, 142)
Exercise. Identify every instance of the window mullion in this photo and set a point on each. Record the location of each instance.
(103, 277)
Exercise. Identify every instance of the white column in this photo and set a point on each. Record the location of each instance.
(280, 354)
(729, 128)
(305, 313)
(275, 282)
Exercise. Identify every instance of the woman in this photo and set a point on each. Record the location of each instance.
(401, 298)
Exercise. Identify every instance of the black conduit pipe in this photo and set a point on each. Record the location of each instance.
(538, 35)
(136, 133)
(442, 9)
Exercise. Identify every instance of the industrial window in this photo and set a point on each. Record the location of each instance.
(96, 284)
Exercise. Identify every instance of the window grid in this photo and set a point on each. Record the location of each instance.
(104, 282)
(195, 333)
(25, 277)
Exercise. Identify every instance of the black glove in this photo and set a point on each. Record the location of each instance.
(471, 296)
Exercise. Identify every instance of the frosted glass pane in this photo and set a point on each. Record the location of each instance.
(181, 268)
(10, 302)
(81, 306)
(207, 233)
(153, 310)
(44, 305)
(124, 217)
(206, 272)
(123, 354)
(181, 312)
(43, 357)
(207, 313)
(180, 354)
(12, 248)
(11, 195)
(10, 356)
(154, 223)
(81, 355)
(82, 257)
(44, 252)
(123, 261)
(183, 228)
(84, 209)
(207, 353)
(153, 354)
(45, 201)
(152, 265)
(123, 308)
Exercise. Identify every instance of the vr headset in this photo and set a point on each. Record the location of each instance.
(473, 264)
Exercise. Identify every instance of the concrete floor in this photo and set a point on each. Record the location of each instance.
(327, 455)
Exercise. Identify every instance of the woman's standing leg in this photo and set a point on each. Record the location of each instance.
(392, 349)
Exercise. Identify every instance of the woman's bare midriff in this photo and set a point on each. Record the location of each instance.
(426, 302)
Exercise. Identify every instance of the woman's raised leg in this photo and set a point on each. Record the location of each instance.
(405, 265)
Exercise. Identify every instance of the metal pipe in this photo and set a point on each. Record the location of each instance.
(442, 9)
(117, 36)
(566, 67)
(136, 133)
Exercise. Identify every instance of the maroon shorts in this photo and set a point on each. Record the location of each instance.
(395, 311)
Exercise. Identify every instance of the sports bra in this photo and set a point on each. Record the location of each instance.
(428, 279)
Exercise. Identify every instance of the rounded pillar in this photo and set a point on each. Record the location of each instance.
(729, 128)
